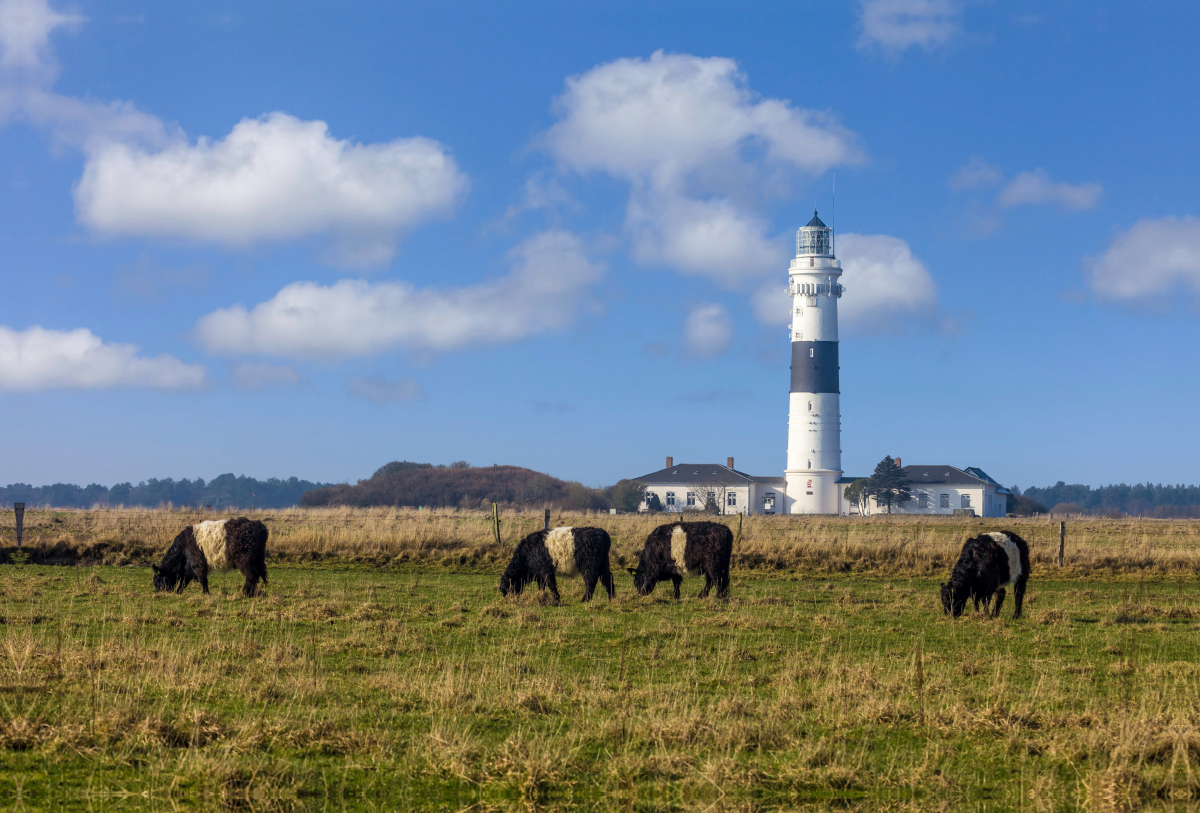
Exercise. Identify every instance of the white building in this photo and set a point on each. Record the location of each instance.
(945, 490)
(690, 486)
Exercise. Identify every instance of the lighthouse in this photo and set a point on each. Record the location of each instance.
(814, 457)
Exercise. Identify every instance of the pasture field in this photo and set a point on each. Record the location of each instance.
(369, 688)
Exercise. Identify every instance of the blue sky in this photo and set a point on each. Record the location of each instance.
(307, 239)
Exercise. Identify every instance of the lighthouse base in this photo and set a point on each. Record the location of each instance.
(812, 491)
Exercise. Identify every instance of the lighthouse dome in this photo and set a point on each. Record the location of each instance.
(814, 239)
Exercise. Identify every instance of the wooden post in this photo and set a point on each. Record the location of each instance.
(1062, 540)
(739, 530)
(19, 510)
(546, 521)
(496, 522)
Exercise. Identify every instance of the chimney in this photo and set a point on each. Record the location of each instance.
(898, 463)
(729, 462)
(670, 462)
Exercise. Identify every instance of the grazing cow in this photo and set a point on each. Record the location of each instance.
(543, 555)
(684, 549)
(183, 562)
(231, 544)
(988, 563)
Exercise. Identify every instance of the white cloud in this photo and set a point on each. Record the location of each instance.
(974, 174)
(707, 331)
(544, 291)
(897, 25)
(696, 146)
(25, 28)
(1149, 263)
(272, 178)
(381, 390)
(887, 288)
(40, 359)
(1036, 187)
(254, 376)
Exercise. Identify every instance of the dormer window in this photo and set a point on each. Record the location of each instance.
(811, 351)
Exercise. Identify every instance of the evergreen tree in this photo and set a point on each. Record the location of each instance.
(889, 484)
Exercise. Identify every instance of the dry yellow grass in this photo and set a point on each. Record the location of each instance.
(462, 540)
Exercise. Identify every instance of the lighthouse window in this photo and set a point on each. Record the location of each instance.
(810, 406)
(811, 263)
(810, 352)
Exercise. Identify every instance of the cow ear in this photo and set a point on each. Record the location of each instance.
(156, 570)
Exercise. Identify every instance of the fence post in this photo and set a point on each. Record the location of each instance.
(19, 510)
(546, 521)
(496, 522)
(739, 530)
(1062, 540)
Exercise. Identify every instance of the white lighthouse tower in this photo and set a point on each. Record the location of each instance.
(814, 458)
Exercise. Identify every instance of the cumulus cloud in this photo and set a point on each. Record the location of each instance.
(974, 174)
(39, 359)
(384, 391)
(1036, 188)
(1149, 263)
(897, 25)
(272, 178)
(707, 331)
(547, 285)
(695, 144)
(25, 29)
(254, 376)
(887, 288)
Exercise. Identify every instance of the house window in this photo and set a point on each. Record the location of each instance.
(945, 501)
(670, 498)
(966, 501)
(691, 498)
(923, 500)
(769, 501)
(731, 498)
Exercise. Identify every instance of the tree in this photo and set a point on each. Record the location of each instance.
(627, 495)
(889, 484)
(654, 503)
(856, 495)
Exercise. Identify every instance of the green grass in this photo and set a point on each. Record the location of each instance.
(375, 690)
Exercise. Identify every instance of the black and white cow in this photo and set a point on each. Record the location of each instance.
(228, 544)
(682, 550)
(544, 555)
(988, 563)
(183, 562)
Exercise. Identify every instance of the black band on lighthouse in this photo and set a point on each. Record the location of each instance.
(815, 367)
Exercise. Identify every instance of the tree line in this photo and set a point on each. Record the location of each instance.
(225, 491)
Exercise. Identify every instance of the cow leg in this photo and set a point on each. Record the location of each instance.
(708, 583)
(677, 580)
(204, 583)
(552, 583)
(1018, 596)
(250, 588)
(607, 580)
(589, 584)
(999, 602)
(723, 585)
(183, 582)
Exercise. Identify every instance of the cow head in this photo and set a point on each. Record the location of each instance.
(162, 579)
(643, 582)
(954, 599)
